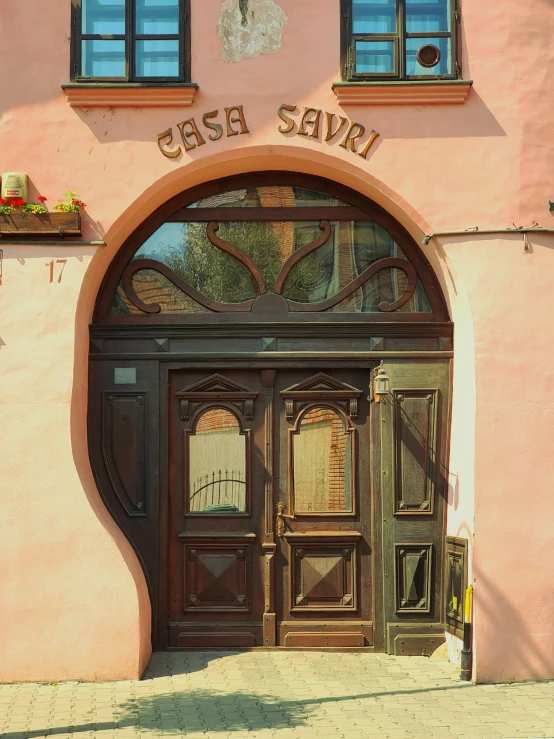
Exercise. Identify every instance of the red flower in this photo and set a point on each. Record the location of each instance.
(2, 201)
(41, 198)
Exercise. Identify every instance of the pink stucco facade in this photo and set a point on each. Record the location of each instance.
(74, 603)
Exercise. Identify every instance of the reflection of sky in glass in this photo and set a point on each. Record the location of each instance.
(103, 16)
(166, 236)
(374, 57)
(431, 16)
(157, 58)
(103, 58)
(373, 16)
(157, 16)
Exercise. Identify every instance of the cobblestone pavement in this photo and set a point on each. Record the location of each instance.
(292, 695)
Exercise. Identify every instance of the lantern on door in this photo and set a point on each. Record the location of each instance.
(381, 383)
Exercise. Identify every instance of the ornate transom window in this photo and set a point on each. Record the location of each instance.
(274, 248)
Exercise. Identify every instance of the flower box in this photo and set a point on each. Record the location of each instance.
(41, 224)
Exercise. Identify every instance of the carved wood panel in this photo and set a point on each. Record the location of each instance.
(415, 423)
(413, 429)
(413, 577)
(217, 578)
(124, 448)
(323, 577)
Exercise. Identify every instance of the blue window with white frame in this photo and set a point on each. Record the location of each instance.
(401, 39)
(130, 41)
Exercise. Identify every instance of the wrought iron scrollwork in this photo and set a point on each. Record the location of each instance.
(258, 281)
(142, 264)
(386, 263)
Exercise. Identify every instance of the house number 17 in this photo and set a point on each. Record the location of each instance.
(52, 263)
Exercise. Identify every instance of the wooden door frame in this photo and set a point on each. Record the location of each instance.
(268, 546)
(159, 343)
(131, 347)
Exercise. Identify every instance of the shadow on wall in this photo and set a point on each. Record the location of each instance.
(517, 651)
(80, 451)
(471, 120)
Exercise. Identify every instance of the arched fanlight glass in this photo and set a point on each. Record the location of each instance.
(280, 247)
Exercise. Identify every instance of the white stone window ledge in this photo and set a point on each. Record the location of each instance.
(416, 92)
(129, 95)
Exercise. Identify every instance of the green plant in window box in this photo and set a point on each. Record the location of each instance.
(6, 207)
(70, 203)
(19, 217)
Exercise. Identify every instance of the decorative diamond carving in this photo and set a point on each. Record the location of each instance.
(413, 577)
(269, 344)
(217, 578)
(323, 577)
(161, 345)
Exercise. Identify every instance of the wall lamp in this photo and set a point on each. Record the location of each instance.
(381, 383)
(550, 205)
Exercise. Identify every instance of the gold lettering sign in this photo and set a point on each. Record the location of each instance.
(313, 123)
(192, 135)
(310, 126)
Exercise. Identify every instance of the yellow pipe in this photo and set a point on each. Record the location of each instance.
(467, 605)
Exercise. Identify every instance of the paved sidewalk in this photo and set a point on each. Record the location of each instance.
(286, 695)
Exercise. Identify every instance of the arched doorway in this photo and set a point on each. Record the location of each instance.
(271, 498)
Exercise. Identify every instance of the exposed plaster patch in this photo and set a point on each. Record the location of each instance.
(250, 28)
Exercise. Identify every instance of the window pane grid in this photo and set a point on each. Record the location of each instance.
(429, 22)
(151, 49)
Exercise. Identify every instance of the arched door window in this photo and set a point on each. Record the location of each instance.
(285, 247)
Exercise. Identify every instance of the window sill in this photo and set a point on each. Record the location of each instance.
(129, 95)
(440, 92)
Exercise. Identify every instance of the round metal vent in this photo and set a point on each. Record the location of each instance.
(428, 55)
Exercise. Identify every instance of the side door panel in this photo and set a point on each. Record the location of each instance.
(123, 436)
(413, 431)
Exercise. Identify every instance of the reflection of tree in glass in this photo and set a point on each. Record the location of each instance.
(218, 275)
(311, 278)
(189, 253)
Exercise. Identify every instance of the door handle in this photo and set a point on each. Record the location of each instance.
(280, 526)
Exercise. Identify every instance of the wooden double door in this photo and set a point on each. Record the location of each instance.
(270, 508)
